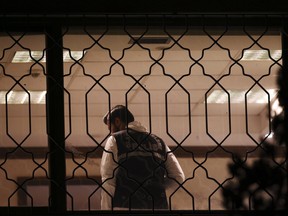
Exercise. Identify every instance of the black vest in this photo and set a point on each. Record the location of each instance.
(141, 171)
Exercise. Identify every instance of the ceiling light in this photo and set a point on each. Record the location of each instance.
(26, 56)
(32, 56)
(258, 55)
(22, 97)
(75, 55)
(238, 96)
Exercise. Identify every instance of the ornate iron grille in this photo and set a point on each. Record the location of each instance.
(205, 84)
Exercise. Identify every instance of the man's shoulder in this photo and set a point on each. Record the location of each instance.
(133, 133)
(119, 133)
(128, 131)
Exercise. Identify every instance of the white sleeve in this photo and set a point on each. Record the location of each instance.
(108, 165)
(175, 174)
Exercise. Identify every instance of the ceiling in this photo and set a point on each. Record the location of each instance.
(167, 82)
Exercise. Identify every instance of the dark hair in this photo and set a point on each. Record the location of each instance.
(121, 112)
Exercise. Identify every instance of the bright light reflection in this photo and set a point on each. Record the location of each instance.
(238, 96)
(21, 97)
(25, 56)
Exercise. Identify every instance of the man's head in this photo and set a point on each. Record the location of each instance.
(118, 118)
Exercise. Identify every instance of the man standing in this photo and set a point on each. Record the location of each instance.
(137, 166)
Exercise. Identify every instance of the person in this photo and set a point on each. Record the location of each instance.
(136, 166)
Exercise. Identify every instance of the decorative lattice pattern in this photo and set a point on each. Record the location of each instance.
(207, 85)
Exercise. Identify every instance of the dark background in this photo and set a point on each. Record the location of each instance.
(17, 7)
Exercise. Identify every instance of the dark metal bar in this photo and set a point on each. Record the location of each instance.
(18, 23)
(55, 118)
(148, 6)
(284, 89)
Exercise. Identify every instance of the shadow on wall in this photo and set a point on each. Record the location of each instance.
(262, 184)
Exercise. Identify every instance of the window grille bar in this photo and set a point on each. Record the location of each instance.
(284, 81)
(55, 119)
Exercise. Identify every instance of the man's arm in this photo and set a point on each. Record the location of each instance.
(175, 174)
(107, 170)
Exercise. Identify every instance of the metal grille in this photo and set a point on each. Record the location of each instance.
(206, 84)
